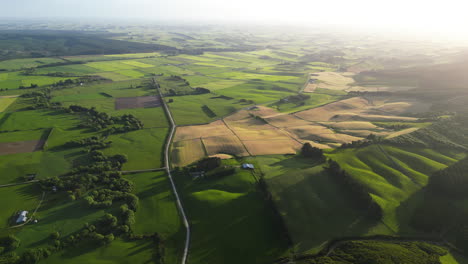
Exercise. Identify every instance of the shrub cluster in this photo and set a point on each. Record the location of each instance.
(99, 120)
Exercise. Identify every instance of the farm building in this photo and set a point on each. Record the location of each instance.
(22, 217)
(248, 166)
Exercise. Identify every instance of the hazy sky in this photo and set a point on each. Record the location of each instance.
(429, 15)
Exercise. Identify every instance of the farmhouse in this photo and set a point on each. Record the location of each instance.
(248, 166)
(22, 217)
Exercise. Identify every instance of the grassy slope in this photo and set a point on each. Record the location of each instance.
(314, 207)
(230, 222)
(392, 182)
(143, 148)
(24, 197)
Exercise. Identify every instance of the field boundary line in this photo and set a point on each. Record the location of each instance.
(168, 170)
(226, 124)
(204, 146)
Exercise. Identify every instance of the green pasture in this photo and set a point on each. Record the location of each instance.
(158, 212)
(73, 69)
(21, 135)
(21, 197)
(17, 64)
(57, 213)
(120, 251)
(188, 109)
(144, 148)
(35, 119)
(5, 102)
(230, 221)
(12, 80)
(392, 179)
(314, 208)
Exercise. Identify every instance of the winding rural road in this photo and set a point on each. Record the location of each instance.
(168, 170)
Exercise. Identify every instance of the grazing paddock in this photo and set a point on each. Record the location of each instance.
(6, 101)
(187, 151)
(137, 102)
(21, 146)
(270, 147)
(224, 145)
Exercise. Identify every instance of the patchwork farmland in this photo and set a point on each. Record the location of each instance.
(285, 145)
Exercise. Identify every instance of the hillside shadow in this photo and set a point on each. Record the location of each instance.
(405, 211)
(298, 162)
(316, 209)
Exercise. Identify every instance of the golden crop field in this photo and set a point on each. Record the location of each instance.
(186, 152)
(270, 147)
(224, 145)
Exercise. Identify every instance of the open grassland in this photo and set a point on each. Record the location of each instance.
(189, 109)
(120, 251)
(18, 64)
(21, 135)
(144, 148)
(57, 213)
(158, 211)
(13, 80)
(6, 101)
(220, 210)
(37, 119)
